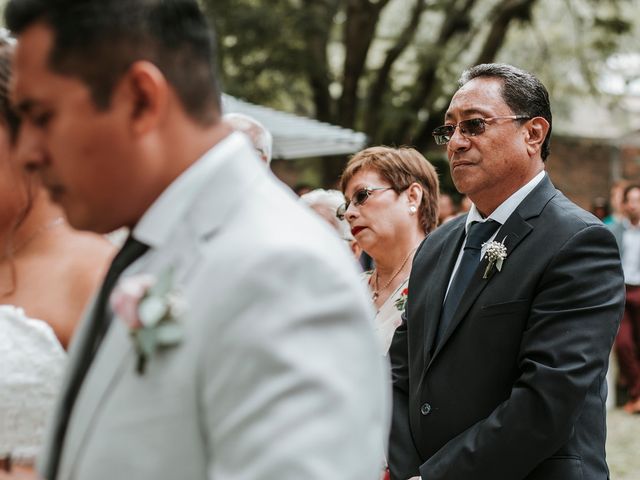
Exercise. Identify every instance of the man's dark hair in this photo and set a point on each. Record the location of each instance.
(625, 195)
(7, 114)
(523, 93)
(98, 40)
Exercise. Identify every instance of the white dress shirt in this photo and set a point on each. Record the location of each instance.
(500, 215)
(631, 253)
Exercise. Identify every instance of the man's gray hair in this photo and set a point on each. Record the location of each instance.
(326, 202)
(522, 91)
(260, 137)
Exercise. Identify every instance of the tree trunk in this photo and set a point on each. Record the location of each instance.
(359, 30)
(381, 83)
(317, 20)
(457, 20)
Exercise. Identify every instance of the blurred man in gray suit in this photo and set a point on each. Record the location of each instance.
(230, 339)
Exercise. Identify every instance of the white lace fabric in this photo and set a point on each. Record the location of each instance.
(31, 365)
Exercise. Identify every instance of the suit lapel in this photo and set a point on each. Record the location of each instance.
(78, 341)
(117, 354)
(514, 230)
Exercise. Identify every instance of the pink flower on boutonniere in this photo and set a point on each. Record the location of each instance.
(151, 311)
(401, 302)
(126, 298)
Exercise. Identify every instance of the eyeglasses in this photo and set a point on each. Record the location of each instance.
(359, 198)
(469, 128)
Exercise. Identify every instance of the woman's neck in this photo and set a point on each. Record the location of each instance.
(389, 260)
(40, 221)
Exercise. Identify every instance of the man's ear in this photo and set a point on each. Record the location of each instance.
(146, 92)
(536, 132)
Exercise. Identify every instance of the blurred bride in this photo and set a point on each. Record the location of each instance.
(47, 273)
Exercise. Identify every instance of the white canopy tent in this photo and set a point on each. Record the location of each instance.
(295, 136)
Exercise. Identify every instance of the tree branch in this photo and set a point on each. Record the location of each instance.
(381, 82)
(457, 20)
(317, 19)
(504, 14)
(360, 27)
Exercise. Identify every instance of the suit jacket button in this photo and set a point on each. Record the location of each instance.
(425, 409)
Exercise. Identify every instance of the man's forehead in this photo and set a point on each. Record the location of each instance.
(34, 45)
(478, 96)
(30, 65)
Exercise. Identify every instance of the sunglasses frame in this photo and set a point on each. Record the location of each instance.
(467, 129)
(342, 209)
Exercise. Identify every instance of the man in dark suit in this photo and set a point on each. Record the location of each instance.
(499, 369)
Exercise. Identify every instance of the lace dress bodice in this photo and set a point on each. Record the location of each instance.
(31, 365)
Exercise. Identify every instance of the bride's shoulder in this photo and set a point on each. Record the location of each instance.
(17, 329)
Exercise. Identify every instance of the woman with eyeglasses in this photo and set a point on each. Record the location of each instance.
(47, 273)
(391, 204)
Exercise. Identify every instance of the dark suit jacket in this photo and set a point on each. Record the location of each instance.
(516, 388)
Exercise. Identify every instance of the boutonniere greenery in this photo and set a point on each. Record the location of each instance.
(152, 311)
(495, 253)
(401, 301)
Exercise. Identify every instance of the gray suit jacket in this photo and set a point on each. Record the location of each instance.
(278, 375)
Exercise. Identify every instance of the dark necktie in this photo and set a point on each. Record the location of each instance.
(478, 234)
(96, 330)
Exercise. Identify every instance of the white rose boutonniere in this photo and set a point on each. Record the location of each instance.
(496, 253)
(151, 310)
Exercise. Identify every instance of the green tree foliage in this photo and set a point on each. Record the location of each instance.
(389, 67)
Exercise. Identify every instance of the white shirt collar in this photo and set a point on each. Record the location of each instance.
(506, 208)
(171, 206)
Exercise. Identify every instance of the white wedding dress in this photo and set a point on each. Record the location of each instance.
(31, 365)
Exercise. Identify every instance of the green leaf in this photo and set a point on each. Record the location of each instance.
(151, 310)
(169, 334)
(147, 340)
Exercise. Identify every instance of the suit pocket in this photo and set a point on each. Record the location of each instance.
(504, 308)
(561, 467)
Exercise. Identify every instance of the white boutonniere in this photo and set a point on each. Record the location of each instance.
(495, 253)
(151, 310)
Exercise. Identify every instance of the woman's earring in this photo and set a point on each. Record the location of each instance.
(412, 209)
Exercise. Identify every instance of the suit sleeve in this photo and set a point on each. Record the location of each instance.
(403, 456)
(565, 348)
(294, 386)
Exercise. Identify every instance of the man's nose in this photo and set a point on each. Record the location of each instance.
(458, 142)
(28, 149)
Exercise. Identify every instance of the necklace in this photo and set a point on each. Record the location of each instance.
(39, 231)
(376, 290)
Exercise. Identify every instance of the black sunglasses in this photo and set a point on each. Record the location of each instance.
(469, 128)
(359, 197)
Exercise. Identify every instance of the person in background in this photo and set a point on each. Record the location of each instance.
(325, 203)
(627, 344)
(446, 208)
(391, 205)
(260, 137)
(615, 202)
(302, 188)
(48, 271)
(600, 208)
